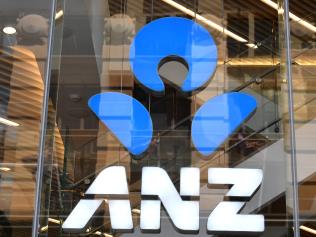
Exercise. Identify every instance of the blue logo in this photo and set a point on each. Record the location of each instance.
(215, 120)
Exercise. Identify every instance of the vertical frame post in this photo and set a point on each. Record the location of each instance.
(41, 153)
(287, 31)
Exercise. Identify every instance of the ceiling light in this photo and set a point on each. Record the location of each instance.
(254, 46)
(59, 14)
(136, 211)
(44, 228)
(102, 234)
(6, 169)
(54, 220)
(205, 21)
(291, 15)
(307, 229)
(8, 122)
(9, 30)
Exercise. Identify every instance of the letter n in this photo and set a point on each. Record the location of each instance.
(184, 214)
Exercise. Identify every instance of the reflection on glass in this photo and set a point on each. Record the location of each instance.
(127, 119)
(303, 57)
(23, 53)
(218, 118)
(92, 57)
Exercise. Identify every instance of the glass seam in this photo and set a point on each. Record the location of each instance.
(291, 118)
(41, 157)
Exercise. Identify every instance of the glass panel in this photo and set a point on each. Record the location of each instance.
(133, 48)
(303, 63)
(23, 53)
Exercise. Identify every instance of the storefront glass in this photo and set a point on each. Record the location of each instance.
(190, 100)
(24, 40)
(303, 71)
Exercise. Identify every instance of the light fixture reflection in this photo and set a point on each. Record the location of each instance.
(54, 220)
(307, 229)
(102, 234)
(293, 17)
(59, 14)
(136, 211)
(44, 228)
(6, 169)
(205, 21)
(254, 46)
(8, 122)
(9, 30)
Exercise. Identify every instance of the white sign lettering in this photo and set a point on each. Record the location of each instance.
(245, 183)
(184, 214)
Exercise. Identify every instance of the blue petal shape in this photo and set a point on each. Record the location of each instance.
(218, 118)
(126, 118)
(173, 36)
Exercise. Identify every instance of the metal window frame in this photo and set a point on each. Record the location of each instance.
(41, 152)
(294, 181)
(41, 156)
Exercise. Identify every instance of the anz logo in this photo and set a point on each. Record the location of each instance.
(212, 124)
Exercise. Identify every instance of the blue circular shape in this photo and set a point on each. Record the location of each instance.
(173, 36)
